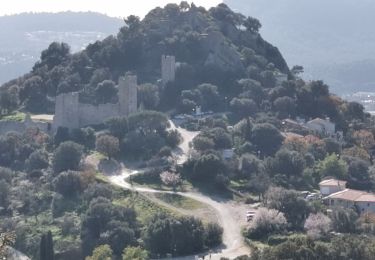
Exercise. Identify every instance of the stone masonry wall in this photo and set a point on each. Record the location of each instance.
(70, 113)
(168, 69)
(95, 115)
(21, 126)
(9, 126)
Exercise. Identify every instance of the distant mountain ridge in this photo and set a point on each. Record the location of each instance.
(62, 21)
(24, 36)
(326, 37)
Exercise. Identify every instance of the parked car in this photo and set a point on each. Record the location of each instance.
(313, 196)
(250, 215)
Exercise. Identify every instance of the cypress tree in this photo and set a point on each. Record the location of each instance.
(46, 247)
(49, 247)
(42, 251)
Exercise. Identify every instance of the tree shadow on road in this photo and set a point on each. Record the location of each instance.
(218, 194)
(109, 167)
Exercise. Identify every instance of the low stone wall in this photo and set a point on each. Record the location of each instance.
(21, 126)
(9, 126)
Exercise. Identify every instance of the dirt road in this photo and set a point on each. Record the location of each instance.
(233, 244)
(182, 151)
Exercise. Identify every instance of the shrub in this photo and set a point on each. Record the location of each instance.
(68, 184)
(108, 145)
(170, 179)
(221, 181)
(69, 224)
(343, 220)
(173, 138)
(276, 240)
(103, 252)
(266, 222)
(165, 151)
(37, 160)
(207, 167)
(317, 225)
(6, 174)
(290, 203)
(165, 234)
(67, 156)
(213, 235)
(134, 253)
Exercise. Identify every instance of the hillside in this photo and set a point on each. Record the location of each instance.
(206, 44)
(222, 151)
(24, 36)
(222, 61)
(333, 40)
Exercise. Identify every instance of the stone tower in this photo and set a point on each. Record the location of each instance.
(127, 94)
(168, 69)
(67, 111)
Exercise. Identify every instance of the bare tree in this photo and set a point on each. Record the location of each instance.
(318, 225)
(170, 179)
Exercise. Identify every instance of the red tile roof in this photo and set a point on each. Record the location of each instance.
(333, 182)
(353, 195)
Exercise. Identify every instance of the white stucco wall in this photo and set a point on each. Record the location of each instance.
(328, 190)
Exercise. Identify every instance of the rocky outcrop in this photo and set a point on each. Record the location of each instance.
(222, 53)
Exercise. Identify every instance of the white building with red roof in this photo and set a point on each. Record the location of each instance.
(363, 201)
(329, 186)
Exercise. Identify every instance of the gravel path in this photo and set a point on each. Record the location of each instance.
(227, 213)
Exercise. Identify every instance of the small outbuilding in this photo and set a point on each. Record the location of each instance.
(322, 126)
(327, 187)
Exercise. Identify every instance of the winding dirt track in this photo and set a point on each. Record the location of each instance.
(233, 244)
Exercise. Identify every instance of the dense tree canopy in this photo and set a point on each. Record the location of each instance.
(67, 156)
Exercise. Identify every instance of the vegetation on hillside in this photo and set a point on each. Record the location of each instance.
(225, 67)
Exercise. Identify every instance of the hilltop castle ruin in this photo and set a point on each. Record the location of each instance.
(70, 113)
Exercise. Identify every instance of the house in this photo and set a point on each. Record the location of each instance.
(322, 126)
(327, 187)
(362, 201)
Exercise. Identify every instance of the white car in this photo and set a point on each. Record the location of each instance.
(312, 196)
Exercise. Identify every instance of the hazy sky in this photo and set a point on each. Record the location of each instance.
(118, 8)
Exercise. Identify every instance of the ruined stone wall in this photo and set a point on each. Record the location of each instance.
(95, 115)
(70, 113)
(21, 126)
(168, 69)
(67, 111)
(10, 126)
